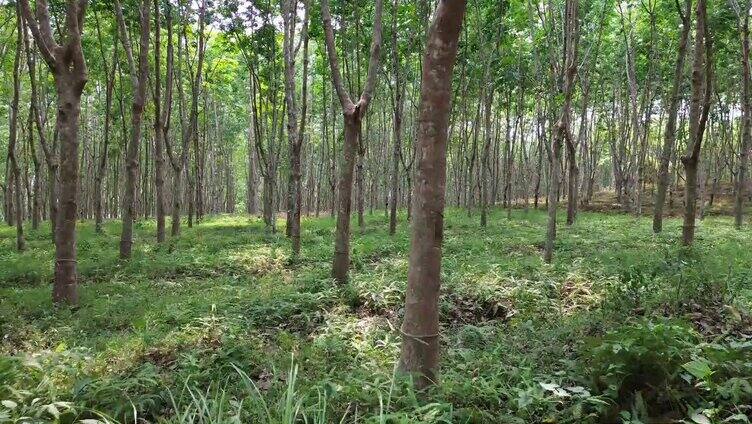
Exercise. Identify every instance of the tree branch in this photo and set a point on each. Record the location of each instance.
(344, 98)
(373, 61)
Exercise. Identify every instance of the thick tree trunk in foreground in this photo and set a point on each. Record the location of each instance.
(698, 115)
(669, 136)
(69, 101)
(353, 114)
(68, 66)
(345, 186)
(420, 339)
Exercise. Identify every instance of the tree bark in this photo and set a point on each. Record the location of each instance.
(68, 66)
(741, 178)
(419, 354)
(359, 180)
(13, 136)
(698, 114)
(179, 162)
(101, 171)
(161, 116)
(295, 130)
(353, 114)
(397, 106)
(36, 216)
(485, 163)
(138, 80)
(562, 127)
(669, 135)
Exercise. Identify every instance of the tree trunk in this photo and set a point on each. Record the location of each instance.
(485, 162)
(562, 128)
(553, 195)
(177, 194)
(69, 89)
(397, 106)
(138, 78)
(360, 195)
(68, 66)
(13, 136)
(191, 194)
(294, 130)
(419, 354)
(251, 206)
(353, 115)
(698, 115)
(268, 195)
(179, 162)
(741, 178)
(573, 175)
(161, 118)
(669, 135)
(345, 186)
(101, 171)
(36, 216)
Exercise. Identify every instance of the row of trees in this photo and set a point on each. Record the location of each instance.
(551, 100)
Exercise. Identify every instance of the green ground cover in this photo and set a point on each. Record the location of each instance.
(220, 326)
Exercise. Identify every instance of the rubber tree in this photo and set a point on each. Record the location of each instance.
(162, 113)
(562, 128)
(746, 135)
(397, 107)
(419, 354)
(295, 129)
(179, 160)
(68, 67)
(352, 114)
(13, 136)
(138, 81)
(699, 107)
(669, 135)
(110, 71)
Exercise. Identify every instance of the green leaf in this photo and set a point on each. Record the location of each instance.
(9, 404)
(549, 386)
(737, 418)
(698, 368)
(700, 418)
(52, 409)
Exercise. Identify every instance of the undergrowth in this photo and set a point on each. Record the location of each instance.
(222, 326)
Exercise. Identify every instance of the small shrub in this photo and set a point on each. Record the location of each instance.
(640, 364)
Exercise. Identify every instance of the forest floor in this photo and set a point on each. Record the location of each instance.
(722, 203)
(220, 326)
